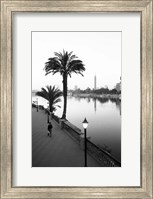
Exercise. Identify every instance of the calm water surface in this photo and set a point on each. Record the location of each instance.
(103, 115)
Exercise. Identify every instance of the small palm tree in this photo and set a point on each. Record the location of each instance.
(52, 95)
(64, 63)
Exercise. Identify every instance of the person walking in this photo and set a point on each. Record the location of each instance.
(50, 129)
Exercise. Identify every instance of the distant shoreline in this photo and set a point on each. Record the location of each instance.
(91, 95)
(111, 96)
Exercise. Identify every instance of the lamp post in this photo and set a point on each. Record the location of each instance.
(85, 125)
(37, 104)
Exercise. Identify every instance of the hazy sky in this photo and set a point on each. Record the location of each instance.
(99, 51)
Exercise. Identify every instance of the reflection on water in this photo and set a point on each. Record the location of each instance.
(104, 117)
(104, 100)
(95, 104)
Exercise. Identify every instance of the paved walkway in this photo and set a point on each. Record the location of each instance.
(58, 151)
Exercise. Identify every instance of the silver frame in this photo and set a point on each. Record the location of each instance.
(144, 7)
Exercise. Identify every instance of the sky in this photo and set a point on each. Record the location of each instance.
(100, 52)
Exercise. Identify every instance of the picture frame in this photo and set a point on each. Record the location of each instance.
(7, 9)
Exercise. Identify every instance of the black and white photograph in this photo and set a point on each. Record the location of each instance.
(76, 98)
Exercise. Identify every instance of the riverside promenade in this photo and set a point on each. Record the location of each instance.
(60, 150)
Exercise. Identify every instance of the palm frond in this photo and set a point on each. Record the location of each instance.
(51, 94)
(64, 63)
(41, 94)
(57, 100)
(58, 106)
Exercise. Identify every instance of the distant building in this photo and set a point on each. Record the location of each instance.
(95, 82)
(75, 88)
(118, 86)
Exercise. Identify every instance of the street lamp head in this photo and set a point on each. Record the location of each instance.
(85, 123)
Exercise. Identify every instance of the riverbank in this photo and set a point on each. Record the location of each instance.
(104, 158)
(103, 96)
(104, 117)
(58, 151)
(66, 146)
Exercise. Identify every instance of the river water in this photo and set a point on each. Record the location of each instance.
(103, 115)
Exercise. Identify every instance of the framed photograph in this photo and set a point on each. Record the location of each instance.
(76, 99)
(88, 90)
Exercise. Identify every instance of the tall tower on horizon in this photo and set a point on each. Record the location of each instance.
(95, 82)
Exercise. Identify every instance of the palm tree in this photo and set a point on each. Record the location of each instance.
(52, 95)
(64, 63)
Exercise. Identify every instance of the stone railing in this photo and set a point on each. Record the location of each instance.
(103, 157)
(72, 130)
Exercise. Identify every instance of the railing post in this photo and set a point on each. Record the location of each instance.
(61, 121)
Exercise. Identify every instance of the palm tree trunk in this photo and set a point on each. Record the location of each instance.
(51, 110)
(64, 95)
(50, 106)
